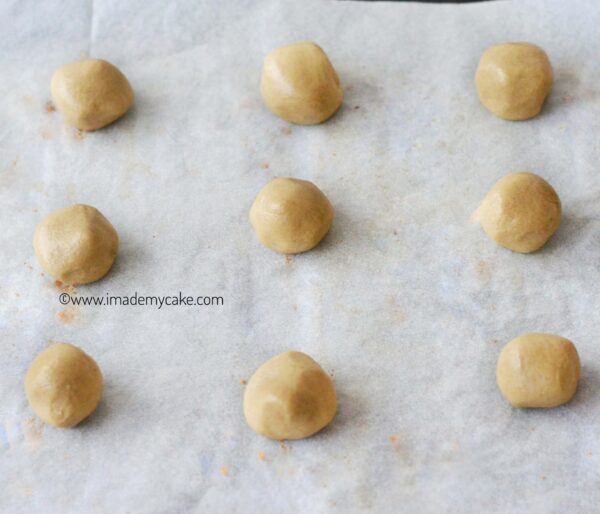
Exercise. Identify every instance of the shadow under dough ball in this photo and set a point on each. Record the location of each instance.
(289, 397)
(520, 212)
(300, 85)
(513, 80)
(76, 244)
(291, 215)
(538, 370)
(63, 385)
(91, 93)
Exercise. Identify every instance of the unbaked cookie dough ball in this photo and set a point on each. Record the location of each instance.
(289, 397)
(513, 80)
(63, 385)
(291, 215)
(91, 93)
(538, 370)
(300, 85)
(520, 212)
(76, 244)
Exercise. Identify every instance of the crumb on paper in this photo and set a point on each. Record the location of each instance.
(393, 439)
(66, 316)
(261, 456)
(356, 107)
(58, 284)
(49, 106)
(243, 381)
(289, 260)
(225, 471)
(265, 165)
(78, 134)
(32, 431)
(286, 131)
(483, 270)
(284, 447)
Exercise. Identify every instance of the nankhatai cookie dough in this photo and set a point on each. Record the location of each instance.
(289, 397)
(291, 215)
(538, 370)
(91, 93)
(63, 385)
(300, 85)
(520, 212)
(513, 80)
(76, 244)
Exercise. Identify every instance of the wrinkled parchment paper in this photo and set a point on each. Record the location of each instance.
(405, 303)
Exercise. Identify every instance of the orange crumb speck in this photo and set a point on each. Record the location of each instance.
(393, 439)
(225, 471)
(58, 284)
(265, 165)
(289, 259)
(50, 106)
(243, 381)
(65, 316)
(286, 131)
(262, 456)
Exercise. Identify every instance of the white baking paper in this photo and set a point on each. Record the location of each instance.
(405, 303)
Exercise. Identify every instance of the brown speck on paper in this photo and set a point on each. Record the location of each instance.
(66, 316)
(265, 165)
(49, 106)
(289, 260)
(286, 131)
(262, 456)
(225, 471)
(243, 381)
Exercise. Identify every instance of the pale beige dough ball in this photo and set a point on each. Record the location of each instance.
(63, 385)
(520, 212)
(538, 370)
(91, 93)
(291, 215)
(513, 80)
(300, 85)
(76, 244)
(289, 397)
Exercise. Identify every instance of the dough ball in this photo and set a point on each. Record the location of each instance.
(291, 215)
(63, 385)
(513, 80)
(521, 212)
(538, 370)
(91, 93)
(76, 244)
(289, 397)
(300, 85)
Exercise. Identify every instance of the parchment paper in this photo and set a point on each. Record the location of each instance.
(406, 303)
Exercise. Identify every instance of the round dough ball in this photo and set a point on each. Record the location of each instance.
(300, 85)
(513, 80)
(520, 212)
(538, 370)
(91, 93)
(291, 215)
(63, 385)
(76, 244)
(289, 397)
